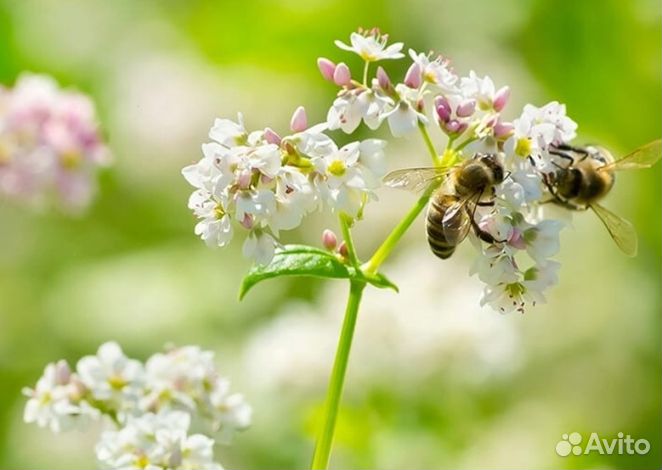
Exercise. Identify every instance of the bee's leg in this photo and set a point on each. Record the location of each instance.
(485, 204)
(563, 155)
(487, 237)
(572, 148)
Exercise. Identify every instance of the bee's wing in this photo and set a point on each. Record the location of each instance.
(415, 179)
(456, 221)
(621, 230)
(644, 157)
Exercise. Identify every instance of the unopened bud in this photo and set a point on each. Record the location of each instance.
(342, 249)
(413, 78)
(271, 136)
(453, 126)
(503, 130)
(327, 68)
(299, 122)
(501, 98)
(62, 372)
(383, 80)
(342, 76)
(329, 240)
(466, 108)
(443, 109)
(247, 222)
(244, 179)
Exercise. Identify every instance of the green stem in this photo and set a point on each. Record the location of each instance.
(334, 391)
(429, 144)
(345, 224)
(394, 237)
(365, 73)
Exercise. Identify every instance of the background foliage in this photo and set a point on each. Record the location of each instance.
(436, 383)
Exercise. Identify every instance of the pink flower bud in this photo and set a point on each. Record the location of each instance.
(453, 126)
(342, 76)
(62, 372)
(443, 109)
(516, 239)
(501, 98)
(266, 179)
(466, 108)
(329, 240)
(299, 121)
(247, 223)
(342, 249)
(271, 137)
(383, 80)
(244, 179)
(503, 130)
(327, 68)
(413, 78)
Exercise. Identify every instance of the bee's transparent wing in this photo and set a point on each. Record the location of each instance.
(457, 219)
(644, 157)
(416, 179)
(621, 230)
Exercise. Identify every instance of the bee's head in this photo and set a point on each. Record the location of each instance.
(492, 161)
(600, 154)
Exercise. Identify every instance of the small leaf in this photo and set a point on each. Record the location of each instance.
(381, 281)
(297, 260)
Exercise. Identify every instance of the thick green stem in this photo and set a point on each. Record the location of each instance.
(334, 391)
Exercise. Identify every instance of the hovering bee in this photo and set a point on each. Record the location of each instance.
(589, 176)
(452, 206)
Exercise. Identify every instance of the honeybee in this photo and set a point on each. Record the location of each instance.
(452, 206)
(589, 176)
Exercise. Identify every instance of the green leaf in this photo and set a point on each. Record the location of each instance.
(303, 260)
(297, 260)
(381, 281)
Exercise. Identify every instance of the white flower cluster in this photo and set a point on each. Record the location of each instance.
(515, 221)
(267, 183)
(467, 109)
(50, 145)
(151, 405)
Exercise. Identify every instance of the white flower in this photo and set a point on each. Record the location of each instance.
(229, 133)
(157, 441)
(404, 118)
(259, 246)
(372, 46)
(538, 128)
(435, 71)
(229, 411)
(353, 106)
(542, 240)
(55, 402)
(111, 376)
(215, 228)
(50, 144)
(344, 177)
(484, 92)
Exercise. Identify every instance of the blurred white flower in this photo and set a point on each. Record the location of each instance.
(50, 144)
(156, 441)
(110, 375)
(55, 402)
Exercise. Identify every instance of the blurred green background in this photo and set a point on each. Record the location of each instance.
(434, 381)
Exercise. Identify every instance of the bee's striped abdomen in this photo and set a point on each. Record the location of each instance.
(437, 239)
